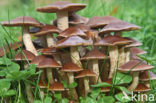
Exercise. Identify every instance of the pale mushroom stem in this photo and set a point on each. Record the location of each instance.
(43, 41)
(135, 81)
(50, 75)
(75, 56)
(28, 42)
(121, 56)
(113, 54)
(29, 93)
(147, 83)
(127, 55)
(62, 20)
(42, 94)
(86, 85)
(96, 71)
(50, 40)
(71, 80)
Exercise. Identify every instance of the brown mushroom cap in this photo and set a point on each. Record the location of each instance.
(93, 34)
(57, 86)
(94, 54)
(61, 6)
(85, 73)
(22, 21)
(48, 29)
(137, 51)
(6, 48)
(83, 27)
(48, 63)
(49, 51)
(73, 41)
(134, 43)
(37, 59)
(107, 89)
(100, 22)
(112, 40)
(147, 75)
(119, 26)
(71, 67)
(141, 88)
(135, 65)
(72, 31)
(42, 84)
(24, 56)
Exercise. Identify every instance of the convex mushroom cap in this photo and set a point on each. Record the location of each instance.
(94, 54)
(137, 51)
(141, 88)
(37, 59)
(48, 63)
(135, 65)
(50, 51)
(85, 73)
(134, 43)
(119, 26)
(100, 22)
(22, 21)
(112, 40)
(57, 86)
(147, 75)
(73, 41)
(24, 55)
(71, 67)
(61, 6)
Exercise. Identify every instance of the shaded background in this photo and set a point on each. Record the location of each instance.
(139, 12)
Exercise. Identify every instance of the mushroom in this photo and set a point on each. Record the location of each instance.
(94, 56)
(99, 22)
(49, 64)
(137, 51)
(147, 76)
(134, 66)
(26, 56)
(70, 68)
(25, 22)
(73, 42)
(113, 42)
(85, 74)
(47, 32)
(127, 48)
(62, 9)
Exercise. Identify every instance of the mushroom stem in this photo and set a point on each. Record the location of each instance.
(75, 56)
(50, 75)
(113, 54)
(42, 94)
(71, 80)
(121, 56)
(28, 42)
(135, 81)
(62, 20)
(43, 75)
(96, 71)
(29, 93)
(147, 83)
(50, 40)
(86, 85)
(127, 55)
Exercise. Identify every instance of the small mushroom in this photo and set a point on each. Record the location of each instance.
(70, 68)
(134, 66)
(146, 76)
(25, 22)
(85, 74)
(49, 64)
(113, 42)
(62, 9)
(141, 88)
(94, 56)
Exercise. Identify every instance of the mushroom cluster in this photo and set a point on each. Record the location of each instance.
(85, 51)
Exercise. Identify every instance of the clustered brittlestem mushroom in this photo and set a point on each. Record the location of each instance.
(134, 66)
(25, 22)
(94, 56)
(62, 9)
(26, 56)
(113, 42)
